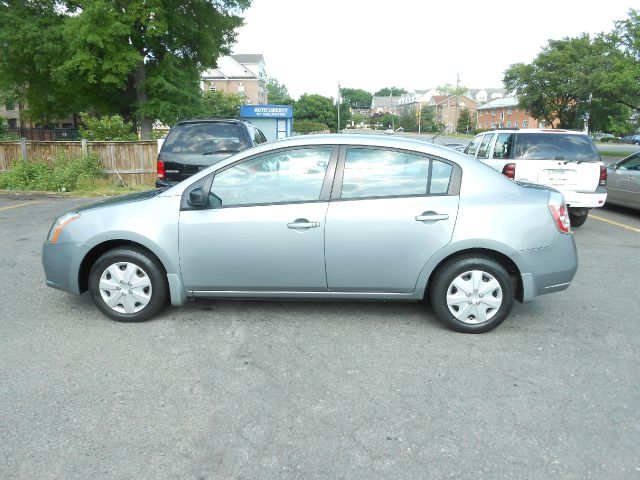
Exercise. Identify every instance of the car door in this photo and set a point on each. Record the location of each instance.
(623, 183)
(390, 211)
(263, 227)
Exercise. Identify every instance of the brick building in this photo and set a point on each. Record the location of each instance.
(239, 74)
(503, 113)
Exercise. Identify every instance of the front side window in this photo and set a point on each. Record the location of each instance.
(282, 177)
(370, 172)
(472, 148)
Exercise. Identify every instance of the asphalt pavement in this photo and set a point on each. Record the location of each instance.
(252, 389)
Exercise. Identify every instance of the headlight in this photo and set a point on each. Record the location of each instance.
(59, 224)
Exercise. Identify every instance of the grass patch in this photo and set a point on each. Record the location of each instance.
(613, 153)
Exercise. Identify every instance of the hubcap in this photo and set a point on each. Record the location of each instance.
(474, 297)
(125, 287)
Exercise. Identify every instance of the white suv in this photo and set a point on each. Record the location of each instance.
(562, 159)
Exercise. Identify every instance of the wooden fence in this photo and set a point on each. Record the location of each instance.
(132, 162)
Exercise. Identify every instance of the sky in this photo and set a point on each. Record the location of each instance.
(310, 46)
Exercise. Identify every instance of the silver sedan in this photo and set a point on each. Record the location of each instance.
(623, 183)
(324, 216)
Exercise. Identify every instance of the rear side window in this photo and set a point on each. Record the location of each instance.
(483, 151)
(554, 146)
(503, 145)
(206, 138)
(372, 172)
(258, 136)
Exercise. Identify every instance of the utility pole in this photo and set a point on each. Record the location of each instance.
(455, 114)
(393, 124)
(338, 129)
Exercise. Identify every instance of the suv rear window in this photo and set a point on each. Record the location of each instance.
(554, 146)
(206, 138)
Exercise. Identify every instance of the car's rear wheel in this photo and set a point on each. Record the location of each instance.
(472, 294)
(128, 285)
(577, 220)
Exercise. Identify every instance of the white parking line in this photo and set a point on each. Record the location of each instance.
(621, 225)
(18, 205)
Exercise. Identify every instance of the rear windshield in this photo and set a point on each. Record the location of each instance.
(206, 138)
(554, 146)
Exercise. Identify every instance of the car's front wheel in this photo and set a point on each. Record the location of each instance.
(128, 285)
(472, 294)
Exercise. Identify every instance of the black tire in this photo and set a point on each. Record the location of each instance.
(577, 220)
(147, 269)
(441, 286)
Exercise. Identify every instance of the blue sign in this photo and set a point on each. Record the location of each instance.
(266, 111)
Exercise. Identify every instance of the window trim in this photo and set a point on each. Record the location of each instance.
(454, 181)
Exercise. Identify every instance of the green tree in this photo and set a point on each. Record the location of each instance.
(427, 119)
(220, 104)
(108, 127)
(277, 93)
(466, 124)
(393, 91)
(448, 89)
(139, 58)
(319, 109)
(356, 97)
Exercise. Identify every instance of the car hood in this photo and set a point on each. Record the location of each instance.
(108, 202)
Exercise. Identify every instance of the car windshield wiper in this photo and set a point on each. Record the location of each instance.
(213, 152)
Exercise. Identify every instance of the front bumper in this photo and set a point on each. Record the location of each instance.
(61, 262)
(550, 269)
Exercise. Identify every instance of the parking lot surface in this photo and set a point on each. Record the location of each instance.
(249, 389)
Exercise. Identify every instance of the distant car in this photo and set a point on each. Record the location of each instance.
(562, 159)
(193, 145)
(634, 139)
(623, 186)
(389, 131)
(360, 217)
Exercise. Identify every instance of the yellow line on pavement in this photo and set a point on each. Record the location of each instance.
(18, 205)
(621, 225)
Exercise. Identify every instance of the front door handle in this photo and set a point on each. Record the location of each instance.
(431, 217)
(302, 224)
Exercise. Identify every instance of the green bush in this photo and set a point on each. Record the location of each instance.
(306, 126)
(609, 140)
(65, 174)
(106, 128)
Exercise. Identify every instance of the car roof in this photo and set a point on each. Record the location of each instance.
(212, 120)
(535, 130)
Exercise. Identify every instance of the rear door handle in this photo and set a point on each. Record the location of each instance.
(431, 217)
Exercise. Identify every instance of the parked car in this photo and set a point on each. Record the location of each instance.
(623, 187)
(359, 217)
(562, 159)
(634, 139)
(193, 145)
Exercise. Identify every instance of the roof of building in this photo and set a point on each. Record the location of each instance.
(500, 102)
(383, 101)
(248, 58)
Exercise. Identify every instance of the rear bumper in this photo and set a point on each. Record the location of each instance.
(550, 269)
(164, 183)
(586, 199)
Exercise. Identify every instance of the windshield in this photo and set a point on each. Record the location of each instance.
(555, 146)
(205, 138)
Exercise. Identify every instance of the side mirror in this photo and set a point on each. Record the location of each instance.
(197, 198)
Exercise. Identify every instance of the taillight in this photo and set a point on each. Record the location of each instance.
(561, 216)
(603, 175)
(509, 170)
(160, 169)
